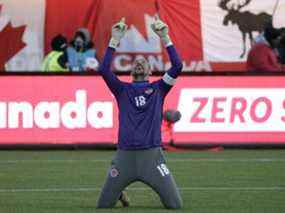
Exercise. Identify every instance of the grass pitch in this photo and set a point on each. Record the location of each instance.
(70, 181)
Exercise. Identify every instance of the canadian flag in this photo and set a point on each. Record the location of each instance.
(208, 35)
(22, 34)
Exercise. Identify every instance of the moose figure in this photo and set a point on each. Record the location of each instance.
(246, 21)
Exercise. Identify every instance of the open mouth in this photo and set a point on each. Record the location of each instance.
(139, 68)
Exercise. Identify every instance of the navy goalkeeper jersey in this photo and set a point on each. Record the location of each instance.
(140, 104)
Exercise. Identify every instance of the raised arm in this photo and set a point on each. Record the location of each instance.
(176, 66)
(168, 80)
(114, 84)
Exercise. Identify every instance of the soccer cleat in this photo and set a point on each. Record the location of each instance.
(124, 200)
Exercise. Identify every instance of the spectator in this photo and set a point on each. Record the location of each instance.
(262, 56)
(81, 51)
(56, 61)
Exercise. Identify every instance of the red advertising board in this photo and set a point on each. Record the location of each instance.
(80, 109)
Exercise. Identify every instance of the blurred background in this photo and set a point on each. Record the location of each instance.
(211, 35)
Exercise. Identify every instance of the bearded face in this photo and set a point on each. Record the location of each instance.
(141, 69)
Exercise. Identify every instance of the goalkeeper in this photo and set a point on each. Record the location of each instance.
(139, 156)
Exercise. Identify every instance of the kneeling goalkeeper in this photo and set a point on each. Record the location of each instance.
(139, 156)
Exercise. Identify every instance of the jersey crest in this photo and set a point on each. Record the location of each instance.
(149, 91)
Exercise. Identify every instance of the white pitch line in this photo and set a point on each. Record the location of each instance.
(175, 160)
(55, 161)
(228, 160)
(96, 189)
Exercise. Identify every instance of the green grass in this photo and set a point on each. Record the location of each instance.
(224, 182)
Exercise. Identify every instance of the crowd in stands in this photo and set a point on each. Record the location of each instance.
(77, 55)
(267, 53)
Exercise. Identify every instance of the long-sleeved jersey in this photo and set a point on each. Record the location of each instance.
(140, 104)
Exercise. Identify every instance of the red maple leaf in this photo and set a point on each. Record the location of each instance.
(96, 15)
(11, 42)
(112, 11)
(134, 11)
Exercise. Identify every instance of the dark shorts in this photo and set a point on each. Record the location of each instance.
(147, 166)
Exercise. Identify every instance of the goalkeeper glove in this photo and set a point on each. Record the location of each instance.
(162, 30)
(118, 32)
